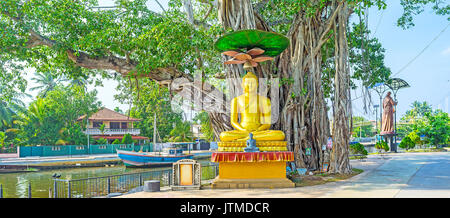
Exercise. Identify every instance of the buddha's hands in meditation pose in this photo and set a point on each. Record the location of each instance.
(255, 115)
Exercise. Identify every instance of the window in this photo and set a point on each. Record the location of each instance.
(124, 125)
(97, 124)
(80, 148)
(102, 147)
(114, 125)
(56, 148)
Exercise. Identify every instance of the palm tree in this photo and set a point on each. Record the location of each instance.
(2, 139)
(79, 81)
(35, 114)
(10, 109)
(46, 82)
(181, 132)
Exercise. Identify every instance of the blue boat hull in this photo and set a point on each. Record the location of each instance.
(136, 159)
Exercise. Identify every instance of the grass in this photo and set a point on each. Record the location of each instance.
(31, 169)
(322, 178)
(427, 150)
(357, 157)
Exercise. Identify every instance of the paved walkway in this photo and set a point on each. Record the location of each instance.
(400, 175)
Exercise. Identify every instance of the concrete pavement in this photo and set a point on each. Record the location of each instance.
(401, 175)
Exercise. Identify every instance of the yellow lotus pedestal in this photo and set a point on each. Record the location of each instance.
(252, 169)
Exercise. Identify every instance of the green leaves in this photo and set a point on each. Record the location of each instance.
(435, 124)
(382, 145)
(366, 56)
(153, 99)
(54, 117)
(412, 8)
(181, 132)
(127, 139)
(358, 148)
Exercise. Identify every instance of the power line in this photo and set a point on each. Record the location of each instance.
(379, 22)
(410, 62)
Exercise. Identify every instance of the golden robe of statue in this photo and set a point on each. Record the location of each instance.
(255, 115)
(388, 114)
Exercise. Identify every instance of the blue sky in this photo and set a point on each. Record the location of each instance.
(428, 75)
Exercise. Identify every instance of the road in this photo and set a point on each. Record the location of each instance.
(400, 175)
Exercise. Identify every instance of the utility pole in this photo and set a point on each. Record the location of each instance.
(154, 130)
(376, 121)
(87, 131)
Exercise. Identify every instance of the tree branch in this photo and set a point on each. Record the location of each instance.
(164, 10)
(329, 24)
(282, 21)
(258, 6)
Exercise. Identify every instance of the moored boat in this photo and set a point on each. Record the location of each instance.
(142, 159)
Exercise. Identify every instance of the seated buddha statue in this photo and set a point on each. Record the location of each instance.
(255, 115)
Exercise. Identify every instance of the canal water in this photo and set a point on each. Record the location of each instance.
(15, 185)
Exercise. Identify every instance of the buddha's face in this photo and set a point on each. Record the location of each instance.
(250, 85)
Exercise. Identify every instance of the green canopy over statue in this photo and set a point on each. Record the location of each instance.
(249, 47)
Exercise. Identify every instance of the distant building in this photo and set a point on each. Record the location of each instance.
(197, 131)
(116, 125)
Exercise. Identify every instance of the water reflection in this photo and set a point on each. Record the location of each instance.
(21, 186)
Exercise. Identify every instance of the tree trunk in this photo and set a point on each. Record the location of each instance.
(342, 104)
(303, 110)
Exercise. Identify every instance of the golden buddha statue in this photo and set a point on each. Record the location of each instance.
(255, 115)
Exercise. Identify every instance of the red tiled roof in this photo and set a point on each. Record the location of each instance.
(109, 115)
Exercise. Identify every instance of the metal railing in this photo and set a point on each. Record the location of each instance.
(107, 131)
(102, 186)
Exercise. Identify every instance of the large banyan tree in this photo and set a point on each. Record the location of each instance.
(80, 39)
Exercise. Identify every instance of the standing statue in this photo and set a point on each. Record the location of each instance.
(387, 127)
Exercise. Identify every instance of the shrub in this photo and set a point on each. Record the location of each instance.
(407, 143)
(414, 138)
(115, 142)
(382, 145)
(101, 141)
(358, 148)
(127, 139)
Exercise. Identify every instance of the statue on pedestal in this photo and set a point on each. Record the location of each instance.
(251, 155)
(251, 144)
(387, 127)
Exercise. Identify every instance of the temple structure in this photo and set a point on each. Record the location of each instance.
(116, 125)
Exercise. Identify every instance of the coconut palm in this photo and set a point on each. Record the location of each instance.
(35, 114)
(10, 109)
(46, 82)
(79, 81)
(181, 132)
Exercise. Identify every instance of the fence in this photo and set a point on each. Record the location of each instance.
(102, 186)
(8, 150)
(69, 150)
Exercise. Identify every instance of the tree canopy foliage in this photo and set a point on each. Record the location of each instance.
(148, 100)
(54, 118)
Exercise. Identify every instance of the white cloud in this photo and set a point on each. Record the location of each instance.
(446, 51)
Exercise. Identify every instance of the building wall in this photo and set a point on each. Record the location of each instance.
(107, 124)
